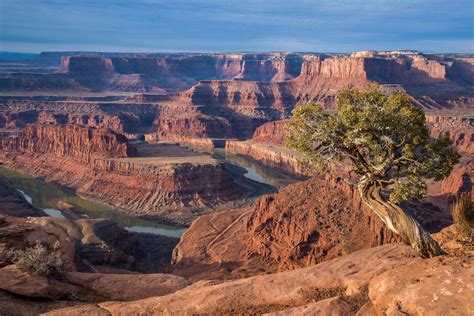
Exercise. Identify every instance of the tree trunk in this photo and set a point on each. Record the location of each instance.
(398, 221)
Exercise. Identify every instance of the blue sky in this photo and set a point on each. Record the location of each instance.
(236, 25)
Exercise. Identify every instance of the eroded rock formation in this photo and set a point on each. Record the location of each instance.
(318, 229)
(230, 95)
(301, 225)
(338, 286)
(84, 245)
(99, 164)
(71, 141)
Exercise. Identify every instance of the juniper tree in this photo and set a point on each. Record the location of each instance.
(385, 141)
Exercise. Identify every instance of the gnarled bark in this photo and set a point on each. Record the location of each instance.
(401, 223)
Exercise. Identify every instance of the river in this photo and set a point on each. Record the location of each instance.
(51, 198)
(256, 171)
(58, 201)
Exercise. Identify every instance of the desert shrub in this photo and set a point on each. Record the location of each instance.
(71, 296)
(463, 214)
(38, 259)
(115, 297)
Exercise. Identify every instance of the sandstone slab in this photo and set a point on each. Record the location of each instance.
(438, 286)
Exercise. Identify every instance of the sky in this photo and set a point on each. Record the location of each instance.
(236, 25)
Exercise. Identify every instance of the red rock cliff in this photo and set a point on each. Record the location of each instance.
(303, 224)
(71, 141)
(313, 221)
(459, 129)
(271, 133)
(100, 164)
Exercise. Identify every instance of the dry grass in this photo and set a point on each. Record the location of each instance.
(463, 214)
(38, 259)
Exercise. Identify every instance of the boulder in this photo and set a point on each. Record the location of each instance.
(437, 286)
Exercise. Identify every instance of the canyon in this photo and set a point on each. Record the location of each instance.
(353, 279)
(221, 95)
(101, 164)
(167, 138)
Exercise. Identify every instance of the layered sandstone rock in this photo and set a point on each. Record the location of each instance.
(111, 122)
(272, 156)
(376, 281)
(230, 95)
(99, 242)
(97, 163)
(437, 286)
(246, 105)
(459, 181)
(313, 221)
(460, 130)
(154, 72)
(91, 245)
(273, 292)
(171, 192)
(109, 112)
(336, 286)
(174, 128)
(268, 140)
(34, 286)
(278, 68)
(19, 233)
(271, 133)
(118, 286)
(89, 286)
(69, 141)
(301, 225)
(86, 245)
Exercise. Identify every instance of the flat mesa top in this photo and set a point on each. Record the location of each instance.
(168, 154)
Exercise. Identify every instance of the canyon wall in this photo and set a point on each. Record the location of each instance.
(155, 73)
(246, 105)
(230, 95)
(437, 81)
(71, 141)
(459, 129)
(271, 133)
(308, 222)
(424, 77)
(272, 156)
(267, 146)
(178, 127)
(101, 165)
(122, 115)
(303, 224)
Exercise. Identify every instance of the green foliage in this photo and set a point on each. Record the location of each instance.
(463, 214)
(38, 259)
(71, 296)
(115, 297)
(384, 138)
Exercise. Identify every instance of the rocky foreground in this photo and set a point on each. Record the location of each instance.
(326, 254)
(382, 280)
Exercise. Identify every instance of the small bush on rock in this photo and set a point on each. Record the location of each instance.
(38, 259)
(463, 214)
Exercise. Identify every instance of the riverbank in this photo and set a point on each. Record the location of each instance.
(54, 199)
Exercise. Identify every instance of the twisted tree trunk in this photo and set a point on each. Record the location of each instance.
(401, 223)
